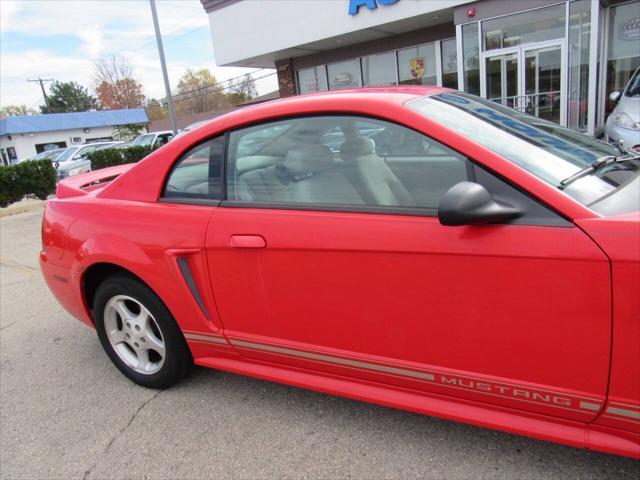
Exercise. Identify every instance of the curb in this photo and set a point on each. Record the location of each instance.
(22, 207)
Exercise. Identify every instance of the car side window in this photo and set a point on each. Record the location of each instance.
(198, 173)
(343, 161)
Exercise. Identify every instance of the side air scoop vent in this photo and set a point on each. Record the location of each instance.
(185, 270)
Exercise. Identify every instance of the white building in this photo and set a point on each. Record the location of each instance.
(24, 136)
(557, 59)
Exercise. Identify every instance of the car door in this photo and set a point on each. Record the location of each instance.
(354, 280)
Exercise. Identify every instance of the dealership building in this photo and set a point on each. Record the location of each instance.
(555, 59)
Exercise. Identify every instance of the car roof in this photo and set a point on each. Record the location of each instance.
(394, 94)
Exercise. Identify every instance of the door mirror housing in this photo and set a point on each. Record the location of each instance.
(615, 96)
(469, 203)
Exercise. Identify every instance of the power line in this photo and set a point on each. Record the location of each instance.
(147, 43)
(228, 80)
(175, 100)
(217, 84)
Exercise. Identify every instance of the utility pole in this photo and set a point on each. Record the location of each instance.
(42, 81)
(167, 87)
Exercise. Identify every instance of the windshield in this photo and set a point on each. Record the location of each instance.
(51, 154)
(143, 140)
(84, 150)
(633, 89)
(67, 154)
(548, 151)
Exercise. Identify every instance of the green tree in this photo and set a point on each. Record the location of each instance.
(69, 97)
(16, 111)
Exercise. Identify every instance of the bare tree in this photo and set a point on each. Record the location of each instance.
(242, 89)
(116, 85)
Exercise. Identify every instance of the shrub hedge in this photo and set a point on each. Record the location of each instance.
(109, 157)
(37, 177)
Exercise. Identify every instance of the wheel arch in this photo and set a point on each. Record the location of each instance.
(97, 273)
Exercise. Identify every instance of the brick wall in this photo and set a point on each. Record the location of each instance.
(286, 78)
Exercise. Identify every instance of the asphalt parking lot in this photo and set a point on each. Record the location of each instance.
(65, 412)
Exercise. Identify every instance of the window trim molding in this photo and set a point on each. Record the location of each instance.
(326, 207)
(207, 202)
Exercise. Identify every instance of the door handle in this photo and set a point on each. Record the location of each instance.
(247, 241)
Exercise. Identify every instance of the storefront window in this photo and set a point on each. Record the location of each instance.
(449, 63)
(312, 80)
(526, 27)
(579, 37)
(417, 65)
(471, 55)
(623, 55)
(344, 75)
(379, 69)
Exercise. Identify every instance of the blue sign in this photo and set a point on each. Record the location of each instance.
(354, 5)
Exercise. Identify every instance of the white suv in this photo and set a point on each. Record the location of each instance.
(155, 139)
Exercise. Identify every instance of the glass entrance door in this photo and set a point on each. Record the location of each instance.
(529, 79)
(502, 79)
(543, 82)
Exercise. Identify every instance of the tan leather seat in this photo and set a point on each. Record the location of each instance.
(314, 178)
(307, 175)
(375, 181)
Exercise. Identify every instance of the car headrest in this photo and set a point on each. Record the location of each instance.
(255, 162)
(357, 147)
(304, 159)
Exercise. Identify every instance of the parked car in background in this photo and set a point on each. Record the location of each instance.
(624, 122)
(47, 154)
(480, 266)
(73, 160)
(154, 139)
(115, 144)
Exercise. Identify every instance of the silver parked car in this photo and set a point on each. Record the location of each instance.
(74, 161)
(46, 155)
(624, 122)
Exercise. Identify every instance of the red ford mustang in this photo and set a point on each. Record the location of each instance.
(414, 247)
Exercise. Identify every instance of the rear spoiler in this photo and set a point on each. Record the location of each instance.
(83, 184)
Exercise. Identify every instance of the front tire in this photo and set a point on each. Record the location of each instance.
(139, 334)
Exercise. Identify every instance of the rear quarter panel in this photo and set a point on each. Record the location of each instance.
(139, 237)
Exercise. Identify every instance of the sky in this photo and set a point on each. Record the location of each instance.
(63, 40)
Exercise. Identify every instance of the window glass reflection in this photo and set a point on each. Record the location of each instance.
(379, 69)
(344, 75)
(526, 27)
(417, 65)
(312, 80)
(449, 63)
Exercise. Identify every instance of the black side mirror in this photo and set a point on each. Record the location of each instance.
(468, 203)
